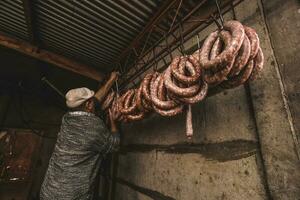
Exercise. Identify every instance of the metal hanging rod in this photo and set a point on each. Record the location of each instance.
(190, 30)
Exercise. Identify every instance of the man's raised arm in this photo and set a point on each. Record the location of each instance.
(103, 91)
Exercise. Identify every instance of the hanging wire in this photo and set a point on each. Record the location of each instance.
(121, 70)
(233, 11)
(220, 13)
(176, 14)
(117, 86)
(217, 22)
(134, 84)
(198, 41)
(135, 52)
(147, 39)
(165, 62)
(199, 47)
(126, 62)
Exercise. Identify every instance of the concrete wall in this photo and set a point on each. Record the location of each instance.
(245, 143)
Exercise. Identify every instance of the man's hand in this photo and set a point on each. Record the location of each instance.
(113, 124)
(114, 76)
(103, 91)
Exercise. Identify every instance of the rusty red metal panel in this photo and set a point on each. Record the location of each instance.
(19, 150)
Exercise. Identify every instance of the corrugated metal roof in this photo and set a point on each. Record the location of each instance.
(12, 19)
(92, 32)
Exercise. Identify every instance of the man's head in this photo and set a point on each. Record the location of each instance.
(81, 99)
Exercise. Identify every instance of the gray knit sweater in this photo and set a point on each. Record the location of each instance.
(82, 143)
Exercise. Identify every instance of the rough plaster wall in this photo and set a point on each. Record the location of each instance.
(244, 145)
(280, 148)
(283, 23)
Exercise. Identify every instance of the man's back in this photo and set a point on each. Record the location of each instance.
(82, 143)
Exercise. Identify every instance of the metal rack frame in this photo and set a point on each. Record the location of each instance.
(187, 27)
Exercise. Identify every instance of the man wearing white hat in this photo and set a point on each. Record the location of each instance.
(82, 143)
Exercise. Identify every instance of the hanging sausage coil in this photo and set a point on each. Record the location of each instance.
(229, 57)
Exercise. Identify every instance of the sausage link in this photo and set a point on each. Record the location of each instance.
(130, 105)
(215, 51)
(201, 94)
(108, 100)
(147, 105)
(242, 58)
(254, 41)
(189, 65)
(142, 104)
(189, 123)
(163, 95)
(178, 91)
(157, 90)
(119, 102)
(169, 112)
(206, 48)
(215, 78)
(196, 55)
(216, 48)
(135, 117)
(237, 32)
(258, 64)
(115, 108)
(146, 86)
(127, 105)
(139, 97)
(239, 79)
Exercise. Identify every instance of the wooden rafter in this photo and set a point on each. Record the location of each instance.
(50, 57)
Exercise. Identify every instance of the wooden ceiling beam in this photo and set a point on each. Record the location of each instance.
(50, 57)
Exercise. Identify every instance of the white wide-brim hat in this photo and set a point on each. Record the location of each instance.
(76, 97)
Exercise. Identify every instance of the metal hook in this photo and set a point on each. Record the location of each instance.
(233, 11)
(220, 27)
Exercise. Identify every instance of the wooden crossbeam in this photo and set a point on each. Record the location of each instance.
(50, 57)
